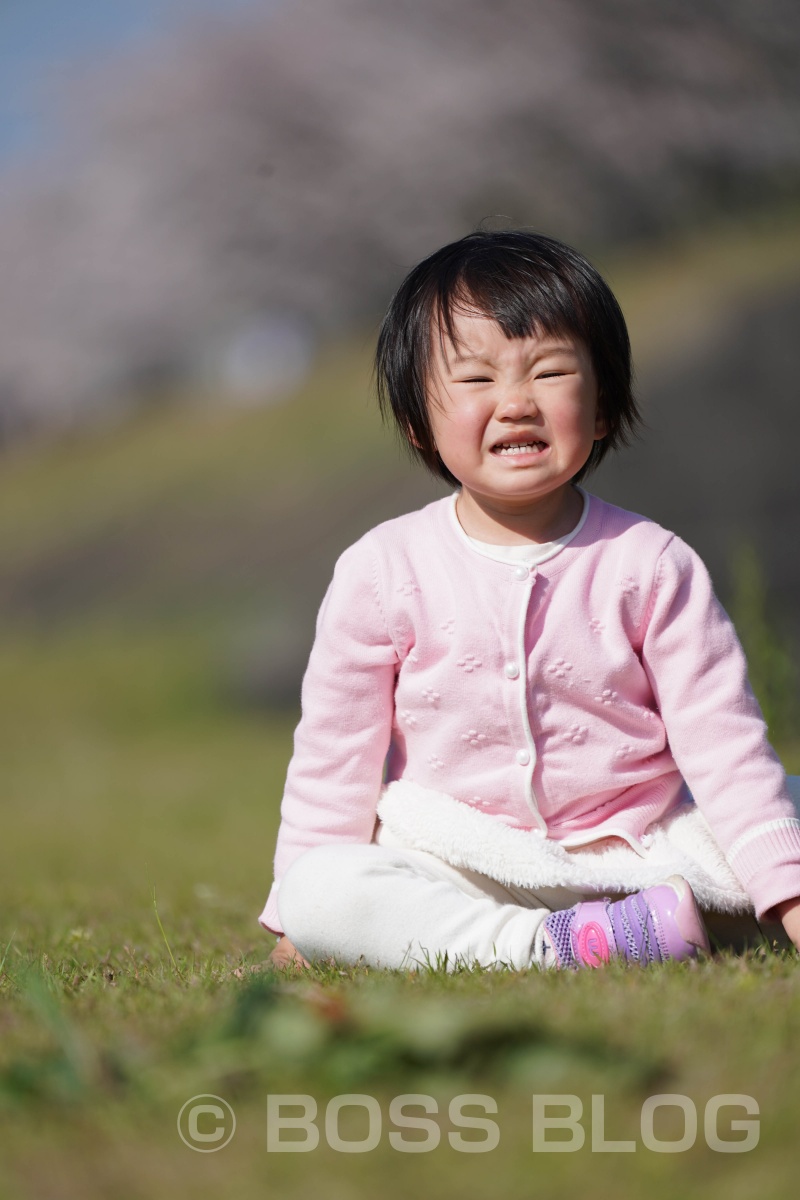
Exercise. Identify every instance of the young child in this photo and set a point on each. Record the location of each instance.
(527, 735)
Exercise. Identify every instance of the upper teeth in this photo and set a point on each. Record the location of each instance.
(516, 448)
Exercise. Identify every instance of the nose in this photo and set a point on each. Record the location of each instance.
(517, 402)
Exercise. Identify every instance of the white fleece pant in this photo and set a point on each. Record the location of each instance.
(391, 907)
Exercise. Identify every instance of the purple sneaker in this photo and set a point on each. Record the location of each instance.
(656, 925)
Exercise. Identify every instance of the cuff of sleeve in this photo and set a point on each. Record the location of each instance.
(270, 919)
(781, 883)
(767, 861)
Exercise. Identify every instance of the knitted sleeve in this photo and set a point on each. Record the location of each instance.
(335, 775)
(716, 731)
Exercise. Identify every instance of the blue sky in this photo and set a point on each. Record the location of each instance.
(42, 39)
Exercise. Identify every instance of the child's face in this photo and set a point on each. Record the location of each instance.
(514, 419)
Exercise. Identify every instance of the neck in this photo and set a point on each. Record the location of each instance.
(552, 517)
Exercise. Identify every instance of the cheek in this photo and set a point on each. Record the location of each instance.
(573, 417)
(453, 427)
(451, 441)
(582, 415)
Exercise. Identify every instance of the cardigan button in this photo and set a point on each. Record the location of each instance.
(520, 572)
(523, 758)
(512, 670)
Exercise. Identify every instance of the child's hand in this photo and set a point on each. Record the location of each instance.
(286, 954)
(789, 913)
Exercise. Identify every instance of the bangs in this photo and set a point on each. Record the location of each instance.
(523, 303)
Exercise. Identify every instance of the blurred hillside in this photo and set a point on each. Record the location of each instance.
(222, 522)
(228, 521)
(718, 461)
(247, 195)
(292, 166)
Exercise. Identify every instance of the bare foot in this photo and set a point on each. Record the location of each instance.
(287, 955)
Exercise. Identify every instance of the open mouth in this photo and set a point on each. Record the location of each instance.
(509, 449)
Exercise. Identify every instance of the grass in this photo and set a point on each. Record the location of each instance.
(140, 818)
(140, 811)
(119, 1052)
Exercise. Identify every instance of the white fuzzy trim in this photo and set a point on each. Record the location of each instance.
(423, 819)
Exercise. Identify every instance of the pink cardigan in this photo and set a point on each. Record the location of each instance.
(577, 698)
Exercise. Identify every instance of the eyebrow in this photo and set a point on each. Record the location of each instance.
(459, 360)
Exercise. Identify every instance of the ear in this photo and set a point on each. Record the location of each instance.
(411, 438)
(600, 426)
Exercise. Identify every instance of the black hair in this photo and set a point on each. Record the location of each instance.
(527, 283)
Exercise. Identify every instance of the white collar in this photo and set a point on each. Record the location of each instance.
(529, 553)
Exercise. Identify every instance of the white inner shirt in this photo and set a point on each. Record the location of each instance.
(530, 553)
